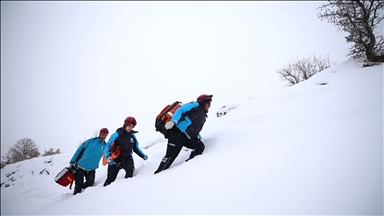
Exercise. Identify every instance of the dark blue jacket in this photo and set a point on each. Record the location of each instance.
(193, 121)
(127, 142)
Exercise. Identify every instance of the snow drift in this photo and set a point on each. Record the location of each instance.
(314, 148)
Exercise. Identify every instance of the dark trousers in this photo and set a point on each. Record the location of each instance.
(113, 170)
(176, 141)
(79, 178)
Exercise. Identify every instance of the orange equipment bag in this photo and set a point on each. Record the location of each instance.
(114, 154)
(165, 116)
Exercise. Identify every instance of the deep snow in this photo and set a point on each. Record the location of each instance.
(314, 148)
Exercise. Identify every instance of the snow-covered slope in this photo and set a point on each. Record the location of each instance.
(314, 148)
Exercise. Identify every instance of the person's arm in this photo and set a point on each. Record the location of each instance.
(137, 150)
(107, 149)
(78, 152)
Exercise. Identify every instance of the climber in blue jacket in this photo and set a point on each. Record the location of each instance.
(86, 160)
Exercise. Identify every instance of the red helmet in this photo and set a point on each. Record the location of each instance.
(130, 120)
(204, 97)
(104, 131)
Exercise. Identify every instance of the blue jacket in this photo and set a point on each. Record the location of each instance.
(128, 148)
(191, 124)
(90, 153)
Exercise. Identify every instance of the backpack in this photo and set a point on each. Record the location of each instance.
(165, 116)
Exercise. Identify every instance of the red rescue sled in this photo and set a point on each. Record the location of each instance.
(65, 177)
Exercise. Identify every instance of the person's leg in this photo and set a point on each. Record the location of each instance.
(112, 172)
(129, 167)
(175, 140)
(197, 145)
(89, 178)
(173, 151)
(79, 178)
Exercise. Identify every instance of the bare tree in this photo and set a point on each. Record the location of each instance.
(358, 18)
(5, 160)
(23, 149)
(51, 151)
(81, 142)
(3, 164)
(302, 69)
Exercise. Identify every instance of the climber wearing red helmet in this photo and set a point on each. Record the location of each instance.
(189, 120)
(124, 138)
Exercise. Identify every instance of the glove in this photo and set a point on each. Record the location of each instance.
(145, 157)
(169, 125)
(73, 168)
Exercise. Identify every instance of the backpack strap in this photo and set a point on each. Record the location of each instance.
(188, 113)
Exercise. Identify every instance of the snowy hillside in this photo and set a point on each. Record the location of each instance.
(314, 148)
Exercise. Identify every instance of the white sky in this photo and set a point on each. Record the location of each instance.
(70, 68)
(308, 150)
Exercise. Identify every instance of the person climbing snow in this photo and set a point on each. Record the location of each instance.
(86, 160)
(184, 128)
(124, 138)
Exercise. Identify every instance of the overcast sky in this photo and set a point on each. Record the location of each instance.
(71, 68)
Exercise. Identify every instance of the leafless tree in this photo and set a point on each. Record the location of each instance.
(51, 151)
(81, 142)
(358, 18)
(5, 160)
(3, 164)
(302, 69)
(23, 149)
